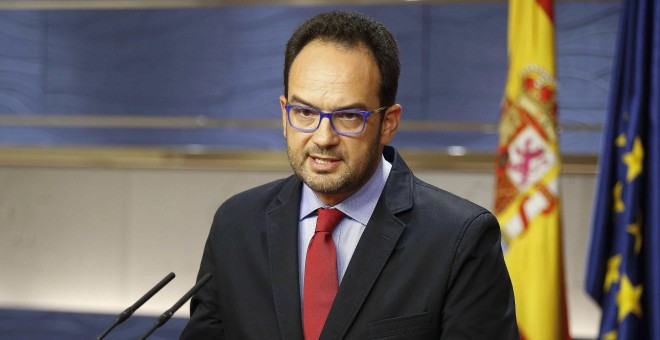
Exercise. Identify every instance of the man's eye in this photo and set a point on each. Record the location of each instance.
(348, 115)
(303, 112)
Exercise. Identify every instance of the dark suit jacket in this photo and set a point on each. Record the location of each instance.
(429, 265)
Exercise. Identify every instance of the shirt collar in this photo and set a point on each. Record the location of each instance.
(358, 206)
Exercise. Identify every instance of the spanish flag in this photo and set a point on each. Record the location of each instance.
(527, 172)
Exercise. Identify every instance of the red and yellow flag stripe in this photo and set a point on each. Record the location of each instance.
(527, 170)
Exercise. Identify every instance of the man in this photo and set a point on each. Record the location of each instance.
(405, 260)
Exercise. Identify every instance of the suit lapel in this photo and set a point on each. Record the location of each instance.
(370, 257)
(372, 252)
(283, 250)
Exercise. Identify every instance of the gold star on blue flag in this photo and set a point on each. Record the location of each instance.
(623, 269)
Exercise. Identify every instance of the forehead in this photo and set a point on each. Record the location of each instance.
(331, 73)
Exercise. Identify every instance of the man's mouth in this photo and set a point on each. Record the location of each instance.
(324, 163)
(323, 160)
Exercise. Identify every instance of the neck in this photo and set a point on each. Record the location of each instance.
(332, 199)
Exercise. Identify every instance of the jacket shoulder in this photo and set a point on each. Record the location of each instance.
(260, 197)
(443, 201)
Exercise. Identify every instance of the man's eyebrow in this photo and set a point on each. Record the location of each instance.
(296, 99)
(356, 106)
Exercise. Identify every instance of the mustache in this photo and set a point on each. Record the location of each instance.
(330, 152)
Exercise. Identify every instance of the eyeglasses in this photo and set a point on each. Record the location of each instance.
(343, 122)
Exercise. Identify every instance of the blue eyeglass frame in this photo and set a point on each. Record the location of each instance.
(328, 115)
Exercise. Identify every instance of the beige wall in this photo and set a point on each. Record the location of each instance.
(87, 239)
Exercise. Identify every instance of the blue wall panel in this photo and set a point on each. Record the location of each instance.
(21, 62)
(225, 64)
(468, 72)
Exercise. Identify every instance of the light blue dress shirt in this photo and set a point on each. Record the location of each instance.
(357, 208)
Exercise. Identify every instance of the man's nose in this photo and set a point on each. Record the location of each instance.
(325, 135)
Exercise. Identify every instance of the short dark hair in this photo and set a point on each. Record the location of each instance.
(350, 29)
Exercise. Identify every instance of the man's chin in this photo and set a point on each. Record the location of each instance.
(324, 185)
(324, 174)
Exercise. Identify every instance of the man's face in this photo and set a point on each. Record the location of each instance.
(331, 77)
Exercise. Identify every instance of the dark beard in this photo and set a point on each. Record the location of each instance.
(351, 179)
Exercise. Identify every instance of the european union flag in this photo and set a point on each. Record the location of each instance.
(623, 270)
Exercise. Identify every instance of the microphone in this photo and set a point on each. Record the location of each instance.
(168, 313)
(123, 316)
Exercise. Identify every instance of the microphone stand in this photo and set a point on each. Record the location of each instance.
(123, 316)
(168, 313)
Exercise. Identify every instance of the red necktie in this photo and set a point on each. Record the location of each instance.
(321, 280)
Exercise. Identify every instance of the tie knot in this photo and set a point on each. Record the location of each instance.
(328, 219)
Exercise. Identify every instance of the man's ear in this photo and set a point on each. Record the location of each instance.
(390, 123)
(284, 119)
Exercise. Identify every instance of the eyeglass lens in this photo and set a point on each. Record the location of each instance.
(343, 121)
